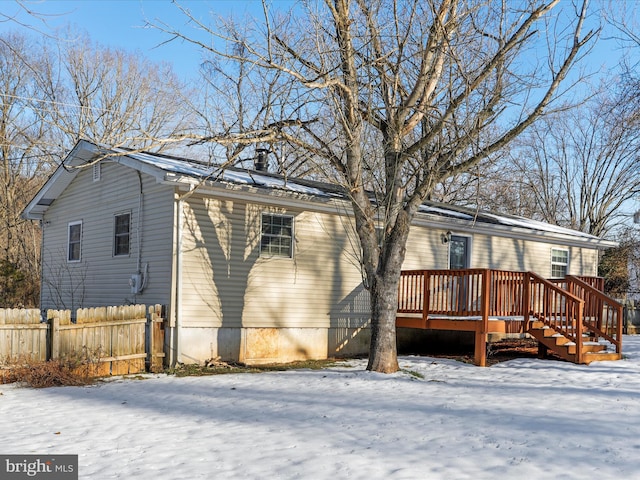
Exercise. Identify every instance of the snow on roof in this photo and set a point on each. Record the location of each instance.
(215, 173)
(505, 220)
(536, 225)
(446, 212)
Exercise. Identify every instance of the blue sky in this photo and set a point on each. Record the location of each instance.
(120, 23)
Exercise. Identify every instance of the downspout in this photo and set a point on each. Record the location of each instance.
(142, 275)
(178, 308)
(138, 230)
(43, 224)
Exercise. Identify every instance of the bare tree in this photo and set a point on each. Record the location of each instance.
(582, 166)
(233, 98)
(114, 97)
(24, 164)
(397, 96)
(51, 97)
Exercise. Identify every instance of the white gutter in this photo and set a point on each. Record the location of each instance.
(337, 206)
(521, 233)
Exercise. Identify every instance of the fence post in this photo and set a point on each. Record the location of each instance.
(150, 335)
(155, 344)
(54, 332)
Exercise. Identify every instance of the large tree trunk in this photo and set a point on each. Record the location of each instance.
(383, 352)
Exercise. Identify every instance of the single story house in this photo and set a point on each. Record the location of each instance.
(253, 267)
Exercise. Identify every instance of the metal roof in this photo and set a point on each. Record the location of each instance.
(171, 169)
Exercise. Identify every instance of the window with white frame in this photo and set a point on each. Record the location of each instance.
(122, 234)
(277, 235)
(559, 262)
(74, 241)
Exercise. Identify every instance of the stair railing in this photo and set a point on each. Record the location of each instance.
(602, 314)
(557, 308)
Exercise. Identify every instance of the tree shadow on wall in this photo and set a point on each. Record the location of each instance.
(225, 239)
(350, 331)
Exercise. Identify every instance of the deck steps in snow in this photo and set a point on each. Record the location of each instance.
(565, 348)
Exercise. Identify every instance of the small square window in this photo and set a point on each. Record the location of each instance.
(122, 234)
(277, 235)
(559, 262)
(74, 241)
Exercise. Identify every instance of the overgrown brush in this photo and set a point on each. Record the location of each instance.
(73, 370)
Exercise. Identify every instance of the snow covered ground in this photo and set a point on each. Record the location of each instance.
(522, 419)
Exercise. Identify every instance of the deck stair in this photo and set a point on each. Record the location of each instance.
(565, 348)
(570, 316)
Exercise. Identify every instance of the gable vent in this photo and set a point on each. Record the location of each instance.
(96, 172)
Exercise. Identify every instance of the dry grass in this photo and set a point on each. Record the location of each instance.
(73, 370)
(216, 367)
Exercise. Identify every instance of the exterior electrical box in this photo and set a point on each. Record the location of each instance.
(135, 282)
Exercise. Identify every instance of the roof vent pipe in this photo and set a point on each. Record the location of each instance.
(261, 159)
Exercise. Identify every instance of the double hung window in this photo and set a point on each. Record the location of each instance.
(277, 235)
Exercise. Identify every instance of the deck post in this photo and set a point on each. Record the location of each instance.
(426, 278)
(578, 332)
(526, 300)
(619, 313)
(480, 344)
(543, 351)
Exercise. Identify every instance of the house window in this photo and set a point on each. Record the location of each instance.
(74, 241)
(559, 262)
(122, 234)
(277, 235)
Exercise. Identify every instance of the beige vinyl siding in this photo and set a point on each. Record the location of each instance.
(499, 253)
(425, 250)
(506, 253)
(583, 261)
(226, 283)
(105, 277)
(319, 287)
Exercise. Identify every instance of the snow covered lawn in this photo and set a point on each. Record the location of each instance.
(439, 419)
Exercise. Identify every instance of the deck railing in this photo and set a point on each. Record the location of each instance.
(460, 292)
(571, 306)
(507, 293)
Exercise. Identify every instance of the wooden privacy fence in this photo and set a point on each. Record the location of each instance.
(22, 335)
(117, 340)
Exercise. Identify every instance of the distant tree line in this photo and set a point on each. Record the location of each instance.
(52, 93)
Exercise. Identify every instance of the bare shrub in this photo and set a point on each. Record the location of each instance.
(77, 369)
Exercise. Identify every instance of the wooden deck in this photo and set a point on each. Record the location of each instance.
(571, 316)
